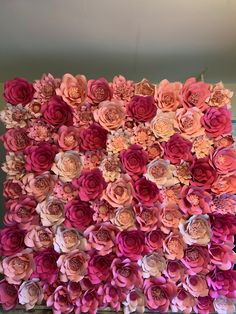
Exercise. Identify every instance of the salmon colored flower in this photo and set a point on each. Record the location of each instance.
(167, 95)
(144, 88)
(162, 125)
(173, 246)
(220, 96)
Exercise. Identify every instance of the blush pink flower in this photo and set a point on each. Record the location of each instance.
(152, 264)
(195, 260)
(12, 189)
(223, 228)
(73, 89)
(224, 204)
(167, 95)
(30, 293)
(8, 295)
(204, 305)
(222, 283)
(46, 87)
(224, 160)
(99, 268)
(99, 90)
(67, 137)
(135, 302)
(11, 241)
(89, 302)
(16, 140)
(111, 296)
(60, 301)
(220, 96)
(147, 217)
(122, 89)
(183, 301)
(130, 244)
(170, 218)
(195, 94)
(196, 285)
(39, 130)
(39, 238)
(142, 108)
(125, 273)
(225, 184)
(174, 270)
(51, 211)
(65, 191)
(153, 240)
(222, 256)
(173, 246)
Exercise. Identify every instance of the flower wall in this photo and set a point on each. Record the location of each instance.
(118, 194)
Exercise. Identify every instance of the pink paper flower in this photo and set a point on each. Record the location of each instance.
(223, 228)
(203, 175)
(146, 192)
(99, 90)
(99, 268)
(12, 189)
(112, 296)
(174, 270)
(67, 137)
(16, 140)
(60, 301)
(30, 293)
(130, 244)
(39, 238)
(224, 204)
(224, 305)
(222, 256)
(153, 240)
(135, 302)
(92, 138)
(142, 108)
(45, 88)
(223, 160)
(222, 282)
(89, 302)
(8, 295)
(183, 301)
(173, 246)
(122, 89)
(167, 95)
(11, 241)
(204, 305)
(152, 265)
(196, 285)
(195, 260)
(147, 217)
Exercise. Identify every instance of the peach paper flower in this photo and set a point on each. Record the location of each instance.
(220, 96)
(162, 125)
(167, 95)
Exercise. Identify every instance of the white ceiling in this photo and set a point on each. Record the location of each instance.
(151, 38)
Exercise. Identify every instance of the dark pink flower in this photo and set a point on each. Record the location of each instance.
(11, 241)
(203, 175)
(90, 184)
(89, 302)
(217, 122)
(12, 189)
(18, 91)
(195, 94)
(16, 140)
(204, 305)
(153, 240)
(177, 149)
(223, 228)
(130, 244)
(60, 301)
(147, 217)
(222, 256)
(74, 291)
(39, 158)
(99, 90)
(134, 160)
(56, 112)
(112, 296)
(195, 260)
(223, 159)
(94, 137)
(142, 108)
(222, 282)
(174, 270)
(78, 214)
(99, 268)
(146, 192)
(8, 295)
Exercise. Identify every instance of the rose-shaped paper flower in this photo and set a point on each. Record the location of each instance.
(146, 192)
(101, 237)
(222, 282)
(224, 160)
(167, 95)
(142, 108)
(59, 300)
(73, 266)
(18, 267)
(39, 130)
(30, 293)
(183, 301)
(67, 137)
(195, 260)
(153, 240)
(73, 89)
(78, 214)
(110, 114)
(174, 246)
(161, 172)
(195, 94)
(163, 125)
(56, 112)
(39, 238)
(99, 268)
(204, 305)
(196, 285)
(177, 149)
(18, 91)
(203, 175)
(21, 212)
(119, 193)
(225, 184)
(45, 88)
(222, 305)
(90, 184)
(159, 293)
(130, 244)
(174, 270)
(152, 265)
(11, 241)
(202, 146)
(112, 296)
(125, 273)
(134, 160)
(12, 189)
(147, 217)
(110, 167)
(68, 239)
(89, 302)
(222, 256)
(8, 295)
(195, 200)
(39, 158)
(65, 191)
(51, 212)
(99, 90)
(46, 266)
(220, 96)
(123, 218)
(171, 195)
(195, 230)
(217, 122)
(94, 137)
(135, 302)
(144, 88)
(15, 140)
(67, 165)
(170, 218)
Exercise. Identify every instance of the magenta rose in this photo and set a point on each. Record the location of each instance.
(8, 295)
(18, 91)
(177, 149)
(146, 192)
(153, 240)
(16, 140)
(142, 108)
(90, 184)
(12, 189)
(134, 160)
(99, 268)
(46, 266)
(223, 228)
(99, 90)
(204, 305)
(222, 282)
(78, 214)
(93, 138)
(56, 112)
(202, 173)
(217, 122)
(39, 158)
(195, 94)
(130, 244)
(11, 241)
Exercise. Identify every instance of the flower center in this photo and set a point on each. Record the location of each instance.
(23, 212)
(192, 255)
(119, 190)
(157, 293)
(54, 209)
(74, 92)
(75, 264)
(103, 235)
(194, 199)
(125, 272)
(193, 98)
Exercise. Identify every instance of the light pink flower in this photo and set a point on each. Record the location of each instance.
(30, 293)
(8, 295)
(173, 246)
(183, 301)
(65, 191)
(39, 238)
(135, 302)
(67, 137)
(224, 160)
(196, 260)
(51, 211)
(196, 285)
(45, 88)
(60, 301)
(152, 265)
(220, 96)
(222, 305)
(122, 89)
(39, 130)
(147, 217)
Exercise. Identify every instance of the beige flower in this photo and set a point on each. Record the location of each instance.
(30, 293)
(152, 265)
(110, 167)
(183, 173)
(220, 96)
(143, 135)
(67, 165)
(162, 125)
(135, 302)
(196, 285)
(51, 211)
(117, 141)
(15, 116)
(124, 218)
(174, 246)
(202, 146)
(145, 88)
(14, 166)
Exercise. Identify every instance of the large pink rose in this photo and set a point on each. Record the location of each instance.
(8, 295)
(147, 217)
(94, 137)
(99, 90)
(39, 238)
(203, 175)
(56, 112)
(99, 268)
(159, 293)
(11, 241)
(222, 256)
(18, 91)
(112, 296)
(15, 140)
(78, 214)
(12, 189)
(89, 302)
(153, 240)
(222, 282)
(90, 184)
(217, 122)
(39, 158)
(134, 160)
(195, 260)
(195, 94)
(183, 301)
(177, 149)
(130, 244)
(142, 108)
(146, 192)
(67, 137)
(174, 270)
(223, 159)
